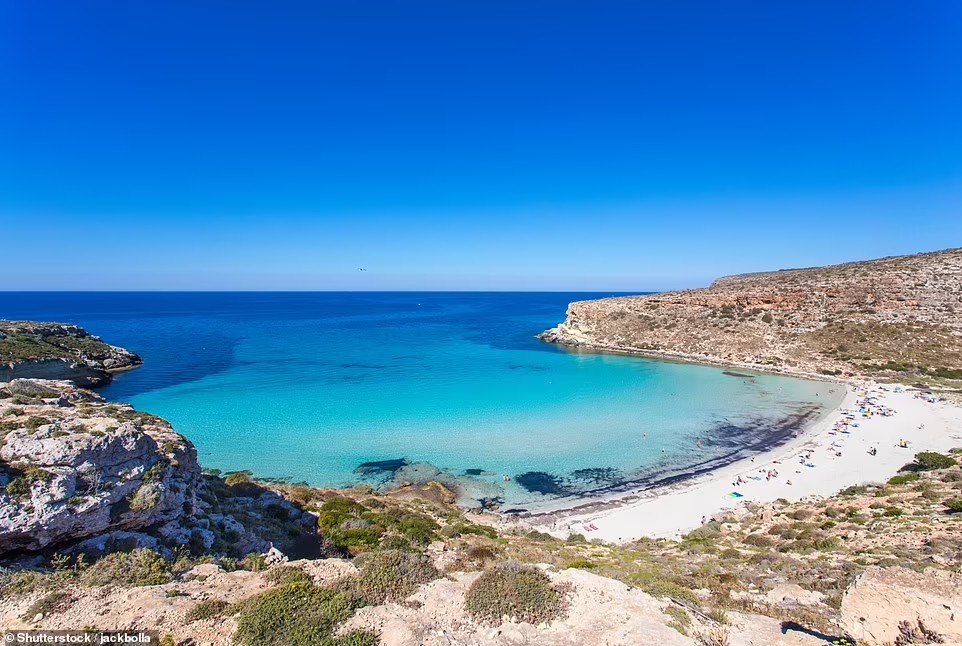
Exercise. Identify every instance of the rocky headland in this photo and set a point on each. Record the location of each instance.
(59, 351)
(893, 318)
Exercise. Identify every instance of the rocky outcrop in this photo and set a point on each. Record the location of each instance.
(58, 351)
(894, 315)
(72, 467)
(901, 606)
(80, 475)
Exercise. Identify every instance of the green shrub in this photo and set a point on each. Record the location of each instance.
(298, 614)
(418, 529)
(892, 512)
(521, 592)
(708, 531)
(903, 479)
(391, 576)
(286, 575)
(954, 506)
(207, 610)
(576, 538)
(581, 564)
(929, 460)
(473, 528)
(129, 569)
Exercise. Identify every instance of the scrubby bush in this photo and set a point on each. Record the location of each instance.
(207, 610)
(905, 478)
(286, 575)
(581, 564)
(707, 531)
(929, 461)
(577, 538)
(353, 528)
(521, 592)
(391, 576)
(298, 614)
(127, 569)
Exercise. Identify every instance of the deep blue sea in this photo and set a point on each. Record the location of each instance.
(335, 389)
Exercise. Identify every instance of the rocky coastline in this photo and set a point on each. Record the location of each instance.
(30, 350)
(893, 318)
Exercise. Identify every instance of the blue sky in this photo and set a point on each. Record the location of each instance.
(471, 145)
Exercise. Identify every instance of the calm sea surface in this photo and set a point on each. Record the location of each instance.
(340, 388)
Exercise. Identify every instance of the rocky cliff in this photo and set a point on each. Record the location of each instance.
(897, 317)
(58, 351)
(78, 474)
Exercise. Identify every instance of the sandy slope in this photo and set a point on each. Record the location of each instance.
(676, 510)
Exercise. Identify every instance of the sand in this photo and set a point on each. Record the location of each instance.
(677, 509)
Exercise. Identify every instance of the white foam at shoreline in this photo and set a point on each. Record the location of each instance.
(679, 508)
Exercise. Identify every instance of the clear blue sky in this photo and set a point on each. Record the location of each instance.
(471, 145)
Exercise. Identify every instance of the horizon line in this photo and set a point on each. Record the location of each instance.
(329, 291)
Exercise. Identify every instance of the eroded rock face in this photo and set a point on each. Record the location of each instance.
(902, 311)
(885, 604)
(75, 468)
(58, 351)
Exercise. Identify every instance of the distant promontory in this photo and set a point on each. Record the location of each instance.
(59, 351)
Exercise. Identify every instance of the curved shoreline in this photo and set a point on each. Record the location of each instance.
(645, 488)
(670, 511)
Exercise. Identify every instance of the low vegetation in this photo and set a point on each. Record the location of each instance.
(521, 592)
(299, 614)
(725, 566)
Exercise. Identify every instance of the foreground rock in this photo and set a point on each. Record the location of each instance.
(894, 316)
(78, 470)
(80, 475)
(600, 611)
(58, 351)
(896, 605)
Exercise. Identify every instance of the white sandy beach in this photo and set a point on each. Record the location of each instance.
(677, 509)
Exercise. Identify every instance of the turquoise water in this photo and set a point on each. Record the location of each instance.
(309, 387)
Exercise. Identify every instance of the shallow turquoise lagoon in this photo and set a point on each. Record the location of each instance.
(310, 387)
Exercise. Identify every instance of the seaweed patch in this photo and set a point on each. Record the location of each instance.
(543, 483)
(599, 475)
(381, 467)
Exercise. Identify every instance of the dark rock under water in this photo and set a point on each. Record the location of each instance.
(381, 467)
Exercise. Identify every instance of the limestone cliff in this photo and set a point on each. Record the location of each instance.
(59, 351)
(80, 474)
(896, 316)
